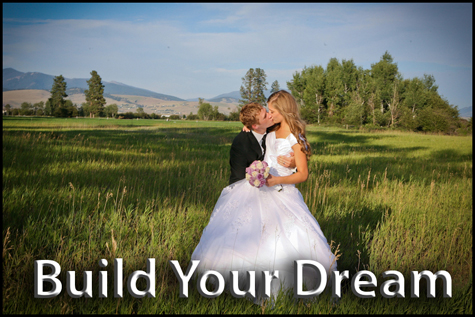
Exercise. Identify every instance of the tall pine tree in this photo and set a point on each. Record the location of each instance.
(56, 102)
(253, 87)
(260, 85)
(95, 95)
(247, 94)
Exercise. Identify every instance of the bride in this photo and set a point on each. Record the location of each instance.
(268, 228)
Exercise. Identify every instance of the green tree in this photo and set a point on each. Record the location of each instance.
(313, 94)
(111, 110)
(205, 111)
(385, 73)
(297, 86)
(58, 93)
(260, 85)
(358, 99)
(95, 94)
(85, 109)
(8, 108)
(26, 109)
(429, 83)
(48, 107)
(253, 86)
(415, 95)
(372, 97)
(67, 110)
(234, 115)
(414, 99)
(246, 90)
(140, 112)
(38, 108)
(214, 113)
(333, 87)
(72, 109)
(274, 87)
(438, 115)
(192, 116)
(394, 102)
(349, 78)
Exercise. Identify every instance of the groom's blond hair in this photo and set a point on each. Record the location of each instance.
(249, 114)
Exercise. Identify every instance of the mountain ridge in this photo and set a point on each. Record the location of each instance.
(16, 80)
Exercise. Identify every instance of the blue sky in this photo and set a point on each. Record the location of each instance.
(191, 50)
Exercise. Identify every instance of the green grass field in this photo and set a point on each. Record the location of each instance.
(79, 190)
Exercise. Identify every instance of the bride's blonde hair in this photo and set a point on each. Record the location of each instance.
(286, 105)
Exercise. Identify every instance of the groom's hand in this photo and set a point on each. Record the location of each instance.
(287, 161)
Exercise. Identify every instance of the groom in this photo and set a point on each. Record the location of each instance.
(250, 146)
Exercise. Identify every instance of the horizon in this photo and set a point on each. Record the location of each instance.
(191, 50)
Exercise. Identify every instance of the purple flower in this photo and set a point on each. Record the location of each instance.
(257, 173)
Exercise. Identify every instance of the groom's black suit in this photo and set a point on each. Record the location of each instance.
(244, 150)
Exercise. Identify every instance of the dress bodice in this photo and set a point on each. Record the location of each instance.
(276, 147)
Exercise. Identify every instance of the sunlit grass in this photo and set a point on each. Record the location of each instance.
(80, 190)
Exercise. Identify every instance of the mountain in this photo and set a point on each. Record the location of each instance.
(15, 80)
(230, 97)
(465, 112)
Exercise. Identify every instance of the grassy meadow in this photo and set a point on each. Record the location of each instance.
(79, 190)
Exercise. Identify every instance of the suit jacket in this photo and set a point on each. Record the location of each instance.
(244, 150)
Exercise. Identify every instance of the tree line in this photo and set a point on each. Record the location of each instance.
(379, 97)
(340, 94)
(58, 106)
(376, 98)
(94, 106)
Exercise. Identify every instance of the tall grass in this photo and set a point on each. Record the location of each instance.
(79, 190)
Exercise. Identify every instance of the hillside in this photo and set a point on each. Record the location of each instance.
(15, 80)
(125, 103)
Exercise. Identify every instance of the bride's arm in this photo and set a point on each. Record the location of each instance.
(298, 177)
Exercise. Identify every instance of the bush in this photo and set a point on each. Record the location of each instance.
(233, 116)
(436, 120)
(192, 117)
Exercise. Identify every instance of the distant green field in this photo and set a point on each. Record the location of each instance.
(79, 190)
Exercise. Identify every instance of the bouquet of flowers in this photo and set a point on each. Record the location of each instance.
(257, 173)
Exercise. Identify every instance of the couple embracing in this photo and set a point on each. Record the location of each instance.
(266, 228)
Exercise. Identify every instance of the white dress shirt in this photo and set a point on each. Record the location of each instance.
(259, 139)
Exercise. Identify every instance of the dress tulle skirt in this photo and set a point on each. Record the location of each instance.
(263, 229)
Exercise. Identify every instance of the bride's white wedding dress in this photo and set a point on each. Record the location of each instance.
(264, 229)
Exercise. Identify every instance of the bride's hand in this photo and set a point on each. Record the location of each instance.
(272, 180)
(245, 129)
(287, 161)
